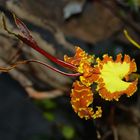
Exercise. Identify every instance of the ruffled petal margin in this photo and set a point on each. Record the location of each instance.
(113, 78)
(81, 98)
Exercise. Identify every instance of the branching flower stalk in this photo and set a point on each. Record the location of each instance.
(111, 76)
(29, 40)
(12, 66)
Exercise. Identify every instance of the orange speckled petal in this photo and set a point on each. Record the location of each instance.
(79, 55)
(75, 60)
(81, 98)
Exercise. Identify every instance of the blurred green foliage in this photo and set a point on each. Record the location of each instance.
(46, 104)
(49, 116)
(68, 132)
(134, 4)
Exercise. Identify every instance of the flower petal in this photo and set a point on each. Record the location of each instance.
(83, 62)
(79, 56)
(81, 98)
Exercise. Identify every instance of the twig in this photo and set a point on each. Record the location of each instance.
(43, 95)
(17, 54)
(115, 133)
(106, 135)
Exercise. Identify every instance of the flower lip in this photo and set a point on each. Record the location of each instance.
(110, 80)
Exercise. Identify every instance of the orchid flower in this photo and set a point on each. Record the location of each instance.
(111, 76)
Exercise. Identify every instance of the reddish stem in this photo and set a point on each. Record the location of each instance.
(54, 69)
(35, 46)
(32, 43)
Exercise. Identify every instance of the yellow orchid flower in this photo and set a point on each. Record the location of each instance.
(111, 76)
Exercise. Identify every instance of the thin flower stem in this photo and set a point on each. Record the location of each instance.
(6, 69)
(54, 69)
